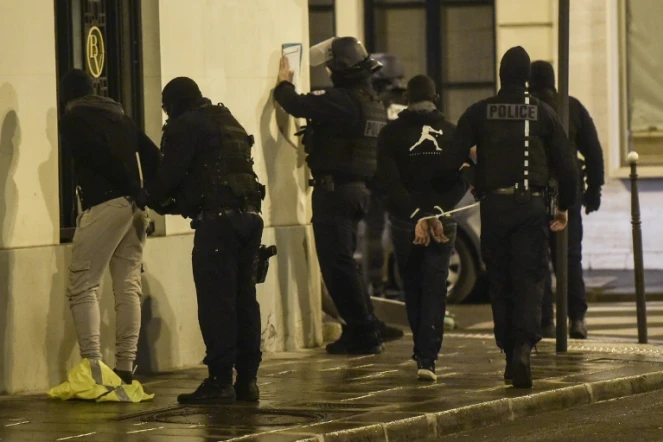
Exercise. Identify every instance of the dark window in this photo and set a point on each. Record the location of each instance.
(452, 41)
(103, 37)
(322, 26)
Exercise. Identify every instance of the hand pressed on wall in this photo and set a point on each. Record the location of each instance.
(285, 74)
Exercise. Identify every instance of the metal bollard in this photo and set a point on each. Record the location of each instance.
(640, 300)
(563, 236)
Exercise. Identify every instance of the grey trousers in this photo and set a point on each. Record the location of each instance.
(109, 234)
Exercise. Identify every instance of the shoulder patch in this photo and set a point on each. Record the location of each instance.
(319, 92)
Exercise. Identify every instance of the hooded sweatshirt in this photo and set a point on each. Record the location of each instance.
(582, 131)
(103, 143)
(409, 152)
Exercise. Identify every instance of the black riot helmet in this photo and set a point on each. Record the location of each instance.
(344, 56)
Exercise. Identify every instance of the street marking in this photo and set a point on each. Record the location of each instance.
(144, 431)
(374, 375)
(17, 423)
(76, 437)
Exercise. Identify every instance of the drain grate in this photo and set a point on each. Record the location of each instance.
(229, 417)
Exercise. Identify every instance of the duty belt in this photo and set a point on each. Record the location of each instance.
(210, 215)
(329, 182)
(512, 190)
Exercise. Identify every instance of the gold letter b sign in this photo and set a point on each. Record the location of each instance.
(95, 52)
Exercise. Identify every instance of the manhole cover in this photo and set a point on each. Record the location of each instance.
(225, 417)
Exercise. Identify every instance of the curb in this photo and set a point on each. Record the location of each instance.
(432, 425)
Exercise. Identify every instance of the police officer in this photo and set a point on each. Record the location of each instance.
(584, 139)
(341, 139)
(520, 142)
(388, 83)
(408, 151)
(207, 175)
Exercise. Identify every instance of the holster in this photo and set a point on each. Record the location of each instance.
(262, 264)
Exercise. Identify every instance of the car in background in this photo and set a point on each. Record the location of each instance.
(466, 267)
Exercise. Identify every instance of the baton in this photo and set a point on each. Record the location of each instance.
(443, 213)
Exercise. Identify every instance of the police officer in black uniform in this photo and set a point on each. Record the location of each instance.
(207, 175)
(341, 141)
(584, 139)
(388, 83)
(520, 142)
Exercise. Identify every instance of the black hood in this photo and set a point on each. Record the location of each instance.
(180, 95)
(515, 67)
(543, 76)
(419, 117)
(109, 107)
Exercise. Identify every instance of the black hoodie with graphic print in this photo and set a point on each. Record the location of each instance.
(409, 152)
(103, 142)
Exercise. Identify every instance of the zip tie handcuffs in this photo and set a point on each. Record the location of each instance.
(443, 213)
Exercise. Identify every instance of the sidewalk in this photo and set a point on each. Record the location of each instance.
(619, 285)
(311, 396)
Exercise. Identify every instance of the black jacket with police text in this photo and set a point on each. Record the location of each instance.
(409, 156)
(497, 126)
(103, 142)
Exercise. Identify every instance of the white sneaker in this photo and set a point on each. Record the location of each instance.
(426, 371)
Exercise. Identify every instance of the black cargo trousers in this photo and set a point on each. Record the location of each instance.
(224, 269)
(336, 216)
(514, 245)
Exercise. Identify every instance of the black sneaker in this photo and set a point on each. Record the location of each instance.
(356, 344)
(389, 333)
(126, 376)
(426, 370)
(522, 374)
(549, 331)
(578, 329)
(247, 391)
(211, 391)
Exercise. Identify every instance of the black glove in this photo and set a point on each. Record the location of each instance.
(141, 199)
(592, 199)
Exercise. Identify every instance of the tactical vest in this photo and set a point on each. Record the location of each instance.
(350, 150)
(502, 145)
(222, 173)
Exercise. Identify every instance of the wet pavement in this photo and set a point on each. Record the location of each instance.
(309, 393)
(634, 418)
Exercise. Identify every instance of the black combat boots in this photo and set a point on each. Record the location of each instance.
(508, 371)
(211, 391)
(357, 342)
(578, 329)
(247, 390)
(520, 366)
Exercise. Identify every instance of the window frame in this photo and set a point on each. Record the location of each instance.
(435, 37)
(626, 143)
(128, 72)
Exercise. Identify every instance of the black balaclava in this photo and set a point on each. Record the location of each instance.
(543, 77)
(75, 84)
(180, 95)
(515, 67)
